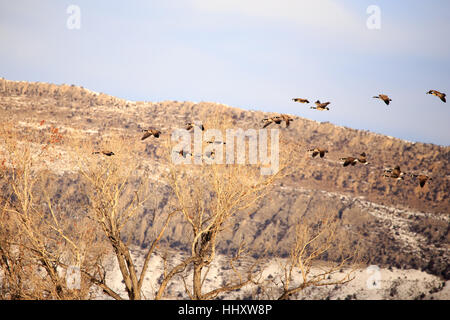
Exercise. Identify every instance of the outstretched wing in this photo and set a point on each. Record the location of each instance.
(287, 123)
(267, 123)
(385, 98)
(422, 182)
(146, 135)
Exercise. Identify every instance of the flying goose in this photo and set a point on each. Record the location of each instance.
(438, 94)
(150, 132)
(395, 173)
(216, 142)
(286, 119)
(211, 154)
(105, 152)
(349, 160)
(321, 106)
(363, 158)
(275, 119)
(422, 178)
(300, 100)
(184, 153)
(383, 97)
(191, 125)
(317, 151)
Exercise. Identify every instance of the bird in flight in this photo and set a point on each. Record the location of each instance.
(105, 152)
(286, 119)
(184, 153)
(383, 97)
(349, 161)
(278, 120)
(300, 100)
(395, 173)
(321, 106)
(215, 142)
(150, 132)
(318, 151)
(275, 119)
(438, 94)
(191, 125)
(422, 178)
(211, 154)
(363, 158)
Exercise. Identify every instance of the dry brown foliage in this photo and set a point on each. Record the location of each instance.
(210, 197)
(38, 242)
(318, 253)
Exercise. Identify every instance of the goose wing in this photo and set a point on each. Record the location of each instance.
(146, 135)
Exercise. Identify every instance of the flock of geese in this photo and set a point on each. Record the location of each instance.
(394, 173)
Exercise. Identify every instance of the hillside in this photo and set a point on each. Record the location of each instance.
(400, 224)
(394, 284)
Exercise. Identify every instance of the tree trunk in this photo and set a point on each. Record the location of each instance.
(197, 281)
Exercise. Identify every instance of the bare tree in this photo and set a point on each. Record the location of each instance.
(210, 197)
(318, 256)
(38, 243)
(117, 190)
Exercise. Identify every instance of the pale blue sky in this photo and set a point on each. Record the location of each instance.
(251, 54)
